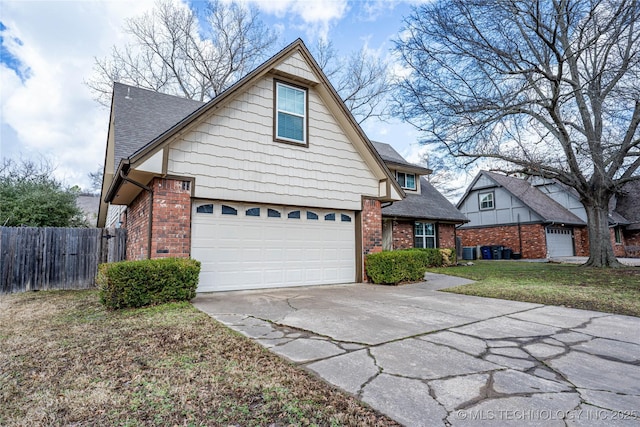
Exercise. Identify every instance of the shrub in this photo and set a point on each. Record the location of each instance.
(406, 265)
(448, 257)
(147, 282)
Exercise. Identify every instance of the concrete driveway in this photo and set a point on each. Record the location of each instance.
(431, 358)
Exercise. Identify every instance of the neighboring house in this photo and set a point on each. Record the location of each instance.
(89, 204)
(272, 183)
(425, 218)
(538, 218)
(626, 237)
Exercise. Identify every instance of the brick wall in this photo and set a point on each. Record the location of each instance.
(618, 248)
(581, 241)
(371, 226)
(171, 228)
(534, 243)
(371, 231)
(403, 237)
(446, 236)
(137, 223)
(632, 238)
(403, 234)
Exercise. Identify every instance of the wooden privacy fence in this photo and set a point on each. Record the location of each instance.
(47, 258)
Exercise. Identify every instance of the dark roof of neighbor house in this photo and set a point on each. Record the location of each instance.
(429, 204)
(388, 154)
(392, 157)
(141, 115)
(628, 204)
(544, 206)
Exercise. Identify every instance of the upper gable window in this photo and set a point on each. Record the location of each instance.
(291, 114)
(406, 180)
(485, 201)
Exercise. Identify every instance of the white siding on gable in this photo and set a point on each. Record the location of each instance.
(565, 198)
(483, 182)
(507, 208)
(232, 156)
(295, 65)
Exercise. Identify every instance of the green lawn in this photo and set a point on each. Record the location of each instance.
(608, 290)
(65, 360)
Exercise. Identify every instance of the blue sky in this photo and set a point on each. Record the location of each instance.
(48, 49)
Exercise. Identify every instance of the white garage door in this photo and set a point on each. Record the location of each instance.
(249, 246)
(559, 242)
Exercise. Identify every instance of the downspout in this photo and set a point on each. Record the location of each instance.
(150, 190)
(520, 235)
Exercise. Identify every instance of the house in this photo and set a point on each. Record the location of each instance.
(424, 218)
(89, 203)
(272, 183)
(538, 218)
(626, 233)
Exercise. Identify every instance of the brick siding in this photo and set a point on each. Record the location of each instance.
(581, 241)
(631, 238)
(371, 231)
(402, 234)
(446, 236)
(534, 241)
(171, 228)
(171, 219)
(371, 226)
(137, 223)
(534, 244)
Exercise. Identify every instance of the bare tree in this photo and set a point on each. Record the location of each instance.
(361, 79)
(96, 178)
(176, 53)
(445, 177)
(549, 87)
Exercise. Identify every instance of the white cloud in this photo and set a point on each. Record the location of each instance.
(52, 113)
(313, 17)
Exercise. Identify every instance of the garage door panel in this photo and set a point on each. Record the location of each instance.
(559, 242)
(246, 252)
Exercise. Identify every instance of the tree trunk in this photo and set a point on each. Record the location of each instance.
(600, 248)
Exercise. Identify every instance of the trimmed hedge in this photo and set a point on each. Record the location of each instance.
(405, 265)
(147, 282)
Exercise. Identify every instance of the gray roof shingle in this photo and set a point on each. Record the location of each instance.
(543, 205)
(141, 115)
(429, 204)
(388, 154)
(628, 203)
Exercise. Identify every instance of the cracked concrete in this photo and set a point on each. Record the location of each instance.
(424, 357)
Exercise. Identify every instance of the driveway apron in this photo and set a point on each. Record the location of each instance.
(429, 358)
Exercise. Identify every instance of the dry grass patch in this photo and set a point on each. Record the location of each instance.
(610, 290)
(65, 360)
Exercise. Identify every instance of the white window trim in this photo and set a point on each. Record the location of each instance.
(304, 115)
(415, 187)
(425, 236)
(493, 200)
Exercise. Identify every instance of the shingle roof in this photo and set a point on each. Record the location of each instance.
(628, 203)
(429, 204)
(388, 154)
(543, 205)
(141, 115)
